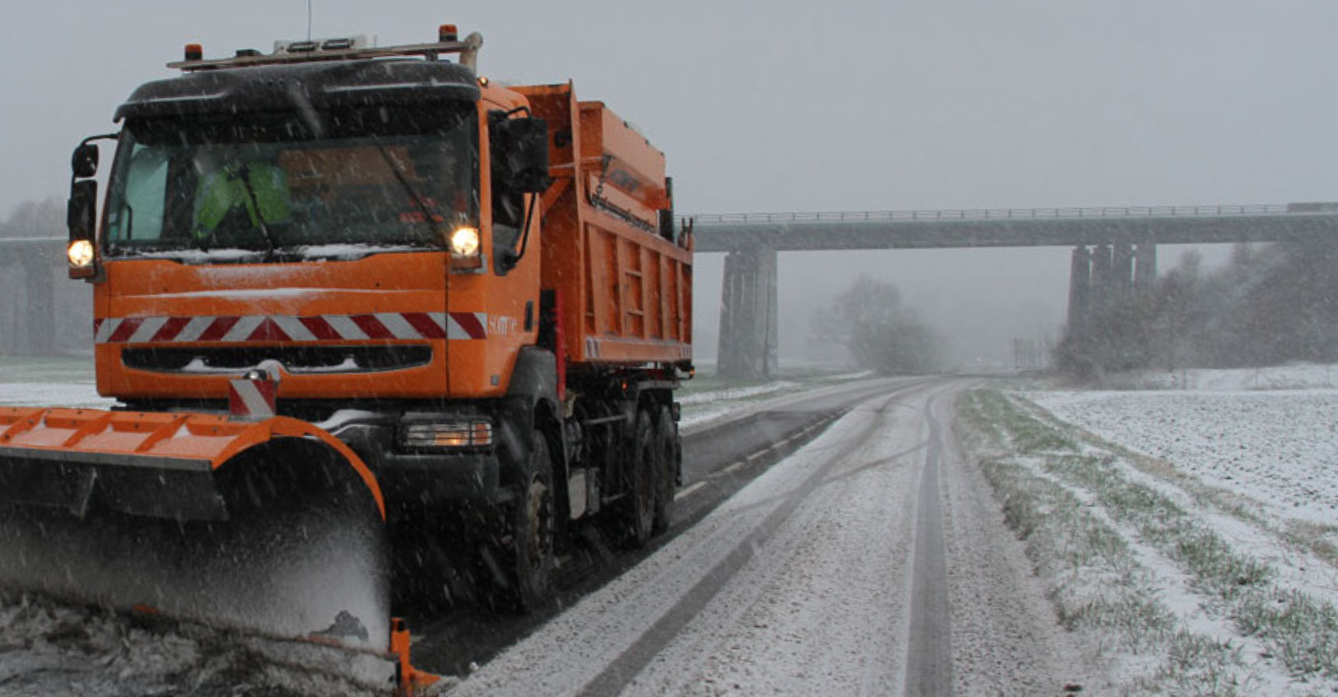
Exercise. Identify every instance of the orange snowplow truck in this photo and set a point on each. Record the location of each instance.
(369, 282)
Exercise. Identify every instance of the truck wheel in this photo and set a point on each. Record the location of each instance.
(666, 470)
(641, 495)
(532, 530)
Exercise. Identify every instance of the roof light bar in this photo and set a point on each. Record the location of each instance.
(342, 48)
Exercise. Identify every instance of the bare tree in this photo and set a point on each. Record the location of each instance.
(878, 332)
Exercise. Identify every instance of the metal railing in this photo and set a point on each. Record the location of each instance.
(1016, 214)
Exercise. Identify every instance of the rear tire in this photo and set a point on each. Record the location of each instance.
(642, 485)
(666, 470)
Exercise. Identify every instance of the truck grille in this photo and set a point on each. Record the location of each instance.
(294, 359)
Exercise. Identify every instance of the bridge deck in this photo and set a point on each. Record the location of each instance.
(1036, 227)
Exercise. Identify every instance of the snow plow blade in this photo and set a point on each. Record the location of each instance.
(273, 528)
(158, 465)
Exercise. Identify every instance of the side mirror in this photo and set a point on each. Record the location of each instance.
(520, 147)
(81, 214)
(84, 163)
(81, 219)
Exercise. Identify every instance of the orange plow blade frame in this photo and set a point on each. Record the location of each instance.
(140, 463)
(160, 465)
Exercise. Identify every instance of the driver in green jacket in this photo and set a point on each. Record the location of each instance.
(248, 197)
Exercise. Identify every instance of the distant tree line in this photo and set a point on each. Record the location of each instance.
(1268, 305)
(877, 332)
(35, 218)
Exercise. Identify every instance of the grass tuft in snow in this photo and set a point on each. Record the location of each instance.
(1073, 498)
(1093, 577)
(1303, 630)
(1164, 524)
(1196, 666)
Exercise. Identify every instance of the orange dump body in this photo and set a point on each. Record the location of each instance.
(626, 290)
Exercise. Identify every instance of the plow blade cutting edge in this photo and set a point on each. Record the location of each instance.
(272, 527)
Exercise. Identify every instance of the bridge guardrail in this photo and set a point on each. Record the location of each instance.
(1009, 213)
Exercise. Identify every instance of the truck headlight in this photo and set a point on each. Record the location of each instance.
(80, 254)
(465, 242)
(454, 434)
(466, 252)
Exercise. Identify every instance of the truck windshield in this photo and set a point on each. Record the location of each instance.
(294, 184)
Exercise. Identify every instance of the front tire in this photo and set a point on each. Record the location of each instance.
(532, 530)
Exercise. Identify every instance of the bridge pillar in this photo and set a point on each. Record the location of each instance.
(1145, 268)
(41, 308)
(1080, 293)
(1103, 272)
(749, 316)
(1122, 269)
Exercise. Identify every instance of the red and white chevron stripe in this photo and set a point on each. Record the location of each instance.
(286, 328)
(253, 399)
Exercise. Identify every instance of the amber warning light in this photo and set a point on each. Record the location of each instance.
(194, 52)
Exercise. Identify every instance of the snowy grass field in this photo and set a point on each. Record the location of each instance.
(1188, 533)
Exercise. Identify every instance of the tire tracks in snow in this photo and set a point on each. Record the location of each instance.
(605, 644)
(614, 678)
(929, 643)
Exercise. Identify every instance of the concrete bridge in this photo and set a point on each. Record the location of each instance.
(1114, 249)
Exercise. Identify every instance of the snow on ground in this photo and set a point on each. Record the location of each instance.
(49, 382)
(1245, 457)
(1277, 446)
(1282, 377)
(51, 394)
(710, 406)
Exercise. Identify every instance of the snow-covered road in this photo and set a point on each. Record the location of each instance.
(870, 562)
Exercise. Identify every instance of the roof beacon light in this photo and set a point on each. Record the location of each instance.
(448, 33)
(194, 52)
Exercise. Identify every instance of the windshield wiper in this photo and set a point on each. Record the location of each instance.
(260, 215)
(408, 189)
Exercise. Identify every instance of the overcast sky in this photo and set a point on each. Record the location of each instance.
(783, 105)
